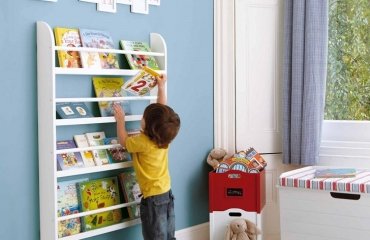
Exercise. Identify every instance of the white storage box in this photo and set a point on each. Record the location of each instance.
(324, 208)
(218, 221)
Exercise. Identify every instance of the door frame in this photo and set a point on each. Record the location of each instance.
(224, 75)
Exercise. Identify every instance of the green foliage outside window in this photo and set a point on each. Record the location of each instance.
(348, 79)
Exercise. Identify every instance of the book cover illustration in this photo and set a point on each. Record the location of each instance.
(87, 156)
(67, 110)
(256, 160)
(335, 173)
(138, 61)
(142, 82)
(249, 161)
(67, 204)
(96, 194)
(68, 160)
(116, 154)
(131, 191)
(92, 38)
(100, 155)
(68, 37)
(110, 87)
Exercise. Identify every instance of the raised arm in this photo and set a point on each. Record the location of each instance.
(119, 115)
(161, 96)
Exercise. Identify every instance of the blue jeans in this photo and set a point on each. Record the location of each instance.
(158, 217)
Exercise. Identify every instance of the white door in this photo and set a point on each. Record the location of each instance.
(258, 45)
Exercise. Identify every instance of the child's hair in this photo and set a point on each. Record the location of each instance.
(161, 124)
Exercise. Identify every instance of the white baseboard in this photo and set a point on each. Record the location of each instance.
(197, 232)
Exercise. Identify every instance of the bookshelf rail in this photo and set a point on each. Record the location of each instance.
(48, 73)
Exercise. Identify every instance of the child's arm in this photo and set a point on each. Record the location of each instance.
(119, 115)
(161, 96)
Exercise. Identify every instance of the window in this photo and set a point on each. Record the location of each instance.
(348, 79)
(347, 103)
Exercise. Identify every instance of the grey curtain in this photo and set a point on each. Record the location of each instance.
(305, 57)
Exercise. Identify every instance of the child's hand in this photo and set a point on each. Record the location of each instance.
(119, 114)
(161, 80)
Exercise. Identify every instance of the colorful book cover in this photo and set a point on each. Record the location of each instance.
(335, 173)
(256, 160)
(131, 191)
(68, 37)
(110, 87)
(87, 156)
(142, 82)
(67, 110)
(100, 155)
(67, 204)
(68, 160)
(116, 154)
(97, 194)
(138, 61)
(92, 38)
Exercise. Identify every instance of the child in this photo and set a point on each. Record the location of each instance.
(160, 125)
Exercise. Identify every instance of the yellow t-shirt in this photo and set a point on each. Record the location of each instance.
(150, 164)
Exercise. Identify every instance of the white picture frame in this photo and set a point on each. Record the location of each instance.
(154, 2)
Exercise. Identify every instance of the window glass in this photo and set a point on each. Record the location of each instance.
(348, 79)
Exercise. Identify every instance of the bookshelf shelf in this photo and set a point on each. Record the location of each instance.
(48, 74)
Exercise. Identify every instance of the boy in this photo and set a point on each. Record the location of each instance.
(160, 125)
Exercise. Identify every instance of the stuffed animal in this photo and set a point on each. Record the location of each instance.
(242, 229)
(215, 156)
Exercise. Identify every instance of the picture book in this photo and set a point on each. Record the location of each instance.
(335, 173)
(131, 191)
(142, 82)
(92, 38)
(116, 154)
(68, 160)
(138, 61)
(68, 110)
(68, 37)
(96, 194)
(100, 155)
(110, 87)
(87, 156)
(256, 160)
(67, 204)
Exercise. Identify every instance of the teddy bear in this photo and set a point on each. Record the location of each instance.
(215, 156)
(242, 229)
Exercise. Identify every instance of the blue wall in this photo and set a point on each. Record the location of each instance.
(187, 27)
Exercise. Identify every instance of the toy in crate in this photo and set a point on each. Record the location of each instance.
(249, 161)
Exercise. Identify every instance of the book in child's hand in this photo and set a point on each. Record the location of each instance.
(335, 173)
(142, 82)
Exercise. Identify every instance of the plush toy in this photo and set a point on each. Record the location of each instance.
(242, 229)
(215, 156)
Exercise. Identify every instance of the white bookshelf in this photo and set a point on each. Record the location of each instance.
(47, 72)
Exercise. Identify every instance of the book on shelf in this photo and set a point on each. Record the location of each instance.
(68, 160)
(110, 87)
(87, 156)
(144, 81)
(67, 204)
(335, 173)
(68, 37)
(131, 191)
(67, 110)
(97, 194)
(100, 155)
(92, 38)
(116, 154)
(138, 61)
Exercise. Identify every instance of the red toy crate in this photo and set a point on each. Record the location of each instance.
(237, 189)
